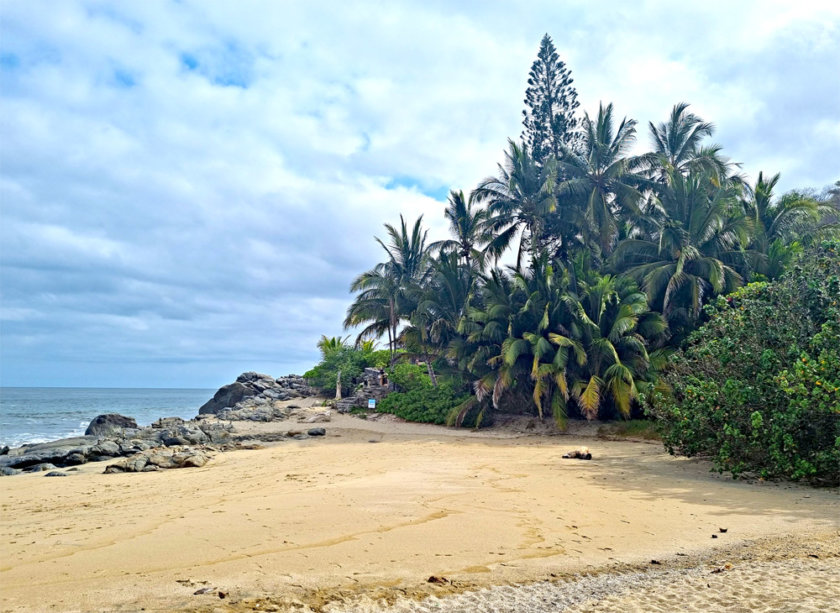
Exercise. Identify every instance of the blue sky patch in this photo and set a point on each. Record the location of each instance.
(439, 192)
(9, 61)
(123, 78)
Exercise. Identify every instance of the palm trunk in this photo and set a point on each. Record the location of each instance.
(430, 370)
(393, 332)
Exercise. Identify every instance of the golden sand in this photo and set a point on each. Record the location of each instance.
(342, 518)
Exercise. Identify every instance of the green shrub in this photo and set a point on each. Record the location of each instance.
(757, 388)
(408, 377)
(425, 404)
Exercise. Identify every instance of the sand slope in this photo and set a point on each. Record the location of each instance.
(317, 519)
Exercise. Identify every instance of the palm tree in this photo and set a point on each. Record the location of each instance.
(677, 142)
(375, 305)
(518, 201)
(777, 224)
(602, 178)
(388, 292)
(692, 251)
(329, 346)
(469, 227)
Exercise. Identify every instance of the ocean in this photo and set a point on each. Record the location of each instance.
(39, 414)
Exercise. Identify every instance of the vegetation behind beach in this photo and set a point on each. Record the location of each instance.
(584, 281)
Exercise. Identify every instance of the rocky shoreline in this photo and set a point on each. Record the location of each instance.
(173, 442)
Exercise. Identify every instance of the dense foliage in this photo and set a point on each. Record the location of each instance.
(337, 356)
(418, 400)
(758, 386)
(614, 257)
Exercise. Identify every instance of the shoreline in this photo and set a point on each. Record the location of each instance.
(377, 503)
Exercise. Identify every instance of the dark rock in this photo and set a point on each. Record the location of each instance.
(227, 396)
(104, 425)
(74, 459)
(56, 473)
(55, 452)
(105, 448)
(38, 468)
(316, 432)
(5, 471)
(167, 423)
(5, 450)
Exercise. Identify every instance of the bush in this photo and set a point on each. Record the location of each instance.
(758, 386)
(424, 403)
(408, 377)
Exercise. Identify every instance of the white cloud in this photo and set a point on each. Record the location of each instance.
(195, 184)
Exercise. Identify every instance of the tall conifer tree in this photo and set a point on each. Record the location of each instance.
(551, 102)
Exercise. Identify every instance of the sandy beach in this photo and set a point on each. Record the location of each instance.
(362, 519)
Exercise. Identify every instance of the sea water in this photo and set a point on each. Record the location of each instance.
(39, 414)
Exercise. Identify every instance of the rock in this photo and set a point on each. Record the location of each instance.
(322, 416)
(316, 432)
(5, 450)
(105, 448)
(75, 458)
(61, 453)
(56, 473)
(227, 396)
(163, 460)
(38, 468)
(5, 471)
(104, 425)
(195, 460)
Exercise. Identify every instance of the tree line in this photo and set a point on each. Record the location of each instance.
(614, 257)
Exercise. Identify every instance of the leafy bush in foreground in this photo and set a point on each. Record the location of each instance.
(758, 386)
(419, 401)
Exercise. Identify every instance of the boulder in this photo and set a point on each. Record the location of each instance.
(321, 416)
(56, 473)
(227, 396)
(192, 460)
(61, 453)
(5, 471)
(38, 468)
(111, 423)
(105, 448)
(316, 432)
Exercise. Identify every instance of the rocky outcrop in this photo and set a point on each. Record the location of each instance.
(161, 459)
(105, 425)
(164, 433)
(374, 386)
(254, 389)
(173, 442)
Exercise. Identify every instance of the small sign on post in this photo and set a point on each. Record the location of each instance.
(372, 403)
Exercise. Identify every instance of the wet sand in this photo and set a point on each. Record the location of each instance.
(346, 522)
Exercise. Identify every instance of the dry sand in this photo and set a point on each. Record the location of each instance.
(346, 524)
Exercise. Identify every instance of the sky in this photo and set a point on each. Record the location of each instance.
(188, 188)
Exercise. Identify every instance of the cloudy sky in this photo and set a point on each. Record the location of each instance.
(187, 188)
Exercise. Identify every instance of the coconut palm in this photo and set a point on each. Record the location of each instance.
(388, 292)
(519, 201)
(692, 252)
(468, 226)
(602, 179)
